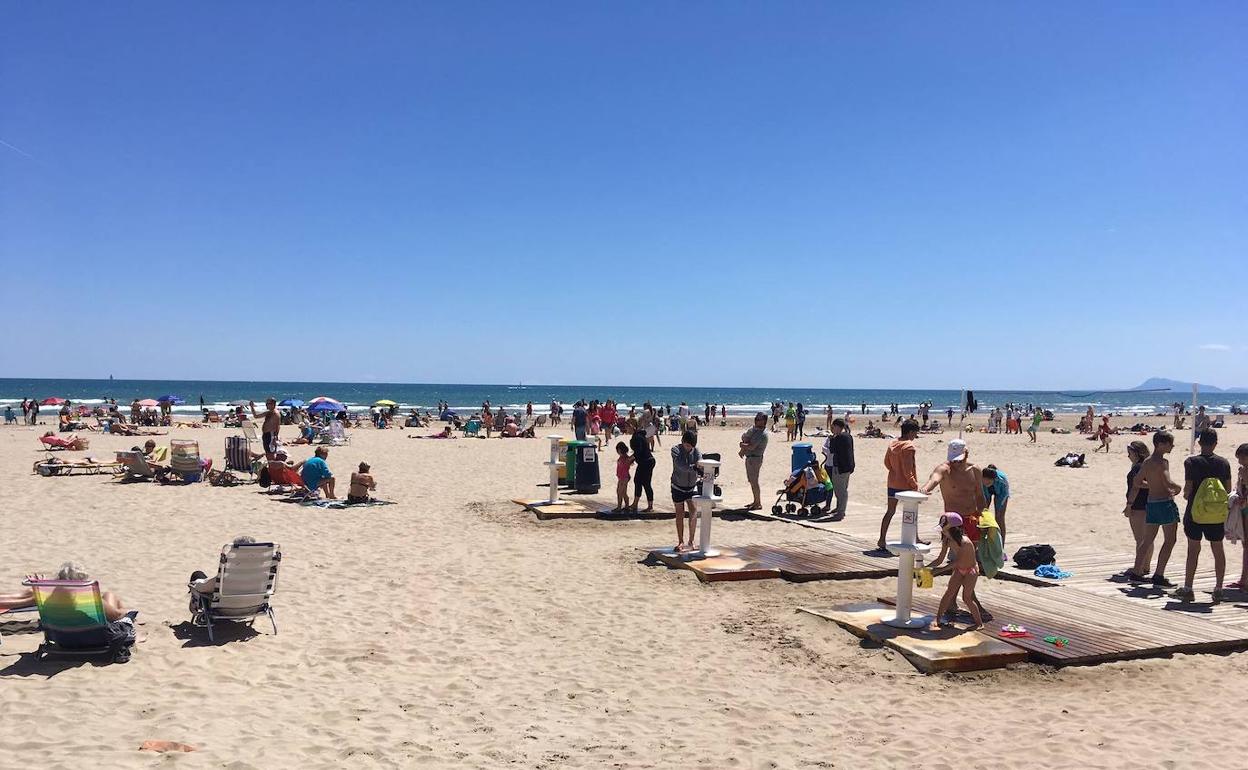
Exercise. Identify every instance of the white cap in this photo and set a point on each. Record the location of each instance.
(957, 450)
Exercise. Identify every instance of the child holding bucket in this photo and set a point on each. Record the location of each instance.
(965, 570)
(622, 464)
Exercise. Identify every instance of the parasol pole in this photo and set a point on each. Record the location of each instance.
(962, 411)
(1195, 398)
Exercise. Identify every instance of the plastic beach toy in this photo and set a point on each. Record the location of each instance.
(1014, 631)
(1057, 641)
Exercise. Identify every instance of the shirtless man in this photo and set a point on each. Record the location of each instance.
(961, 489)
(1160, 512)
(272, 424)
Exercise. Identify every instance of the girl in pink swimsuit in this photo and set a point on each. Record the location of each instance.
(965, 569)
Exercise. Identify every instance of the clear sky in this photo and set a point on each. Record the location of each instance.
(832, 194)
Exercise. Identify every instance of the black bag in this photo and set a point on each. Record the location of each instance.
(1032, 556)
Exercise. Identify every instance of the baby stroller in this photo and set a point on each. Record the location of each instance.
(806, 488)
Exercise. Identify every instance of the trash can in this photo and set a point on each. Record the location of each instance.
(567, 457)
(803, 455)
(570, 460)
(587, 477)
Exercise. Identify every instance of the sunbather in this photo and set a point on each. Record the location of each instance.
(114, 610)
(361, 484)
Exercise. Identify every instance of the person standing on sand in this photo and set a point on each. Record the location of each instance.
(903, 476)
(753, 445)
(1198, 470)
(838, 460)
(580, 420)
(1036, 417)
(1160, 512)
(685, 457)
(272, 424)
(962, 491)
(528, 411)
(801, 421)
(827, 418)
(643, 458)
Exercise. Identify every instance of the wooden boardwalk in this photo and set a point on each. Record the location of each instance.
(1099, 628)
(833, 557)
(1095, 572)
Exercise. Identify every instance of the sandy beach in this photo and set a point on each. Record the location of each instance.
(455, 630)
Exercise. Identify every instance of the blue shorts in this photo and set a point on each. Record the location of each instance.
(892, 492)
(1161, 512)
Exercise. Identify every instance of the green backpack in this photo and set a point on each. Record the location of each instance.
(1209, 506)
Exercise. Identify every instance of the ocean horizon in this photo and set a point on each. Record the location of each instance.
(217, 394)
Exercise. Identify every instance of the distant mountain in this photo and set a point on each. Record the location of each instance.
(1176, 386)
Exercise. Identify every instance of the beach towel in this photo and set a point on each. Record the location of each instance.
(990, 549)
(1235, 519)
(1052, 572)
(338, 504)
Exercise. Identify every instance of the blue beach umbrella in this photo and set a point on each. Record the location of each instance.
(175, 400)
(291, 402)
(324, 404)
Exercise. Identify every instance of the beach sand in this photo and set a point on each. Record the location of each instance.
(453, 629)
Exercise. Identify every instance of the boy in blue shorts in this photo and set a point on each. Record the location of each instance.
(1160, 512)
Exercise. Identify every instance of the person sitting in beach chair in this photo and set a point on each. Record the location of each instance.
(9, 417)
(246, 580)
(280, 473)
(76, 617)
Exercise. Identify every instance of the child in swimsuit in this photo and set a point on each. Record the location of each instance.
(965, 570)
(623, 462)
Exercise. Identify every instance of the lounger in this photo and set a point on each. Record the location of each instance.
(71, 614)
(54, 467)
(246, 580)
(54, 443)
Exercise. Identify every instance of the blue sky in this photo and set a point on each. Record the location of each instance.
(833, 194)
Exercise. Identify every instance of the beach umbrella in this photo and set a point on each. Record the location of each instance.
(149, 402)
(175, 400)
(53, 401)
(324, 404)
(385, 402)
(295, 402)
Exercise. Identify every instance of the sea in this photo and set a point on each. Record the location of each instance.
(466, 398)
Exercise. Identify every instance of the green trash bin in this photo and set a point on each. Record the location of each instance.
(569, 460)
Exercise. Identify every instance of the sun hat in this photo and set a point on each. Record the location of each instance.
(950, 519)
(957, 450)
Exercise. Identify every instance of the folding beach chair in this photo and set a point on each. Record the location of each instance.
(472, 428)
(246, 580)
(184, 459)
(249, 432)
(136, 467)
(71, 614)
(334, 434)
(238, 455)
